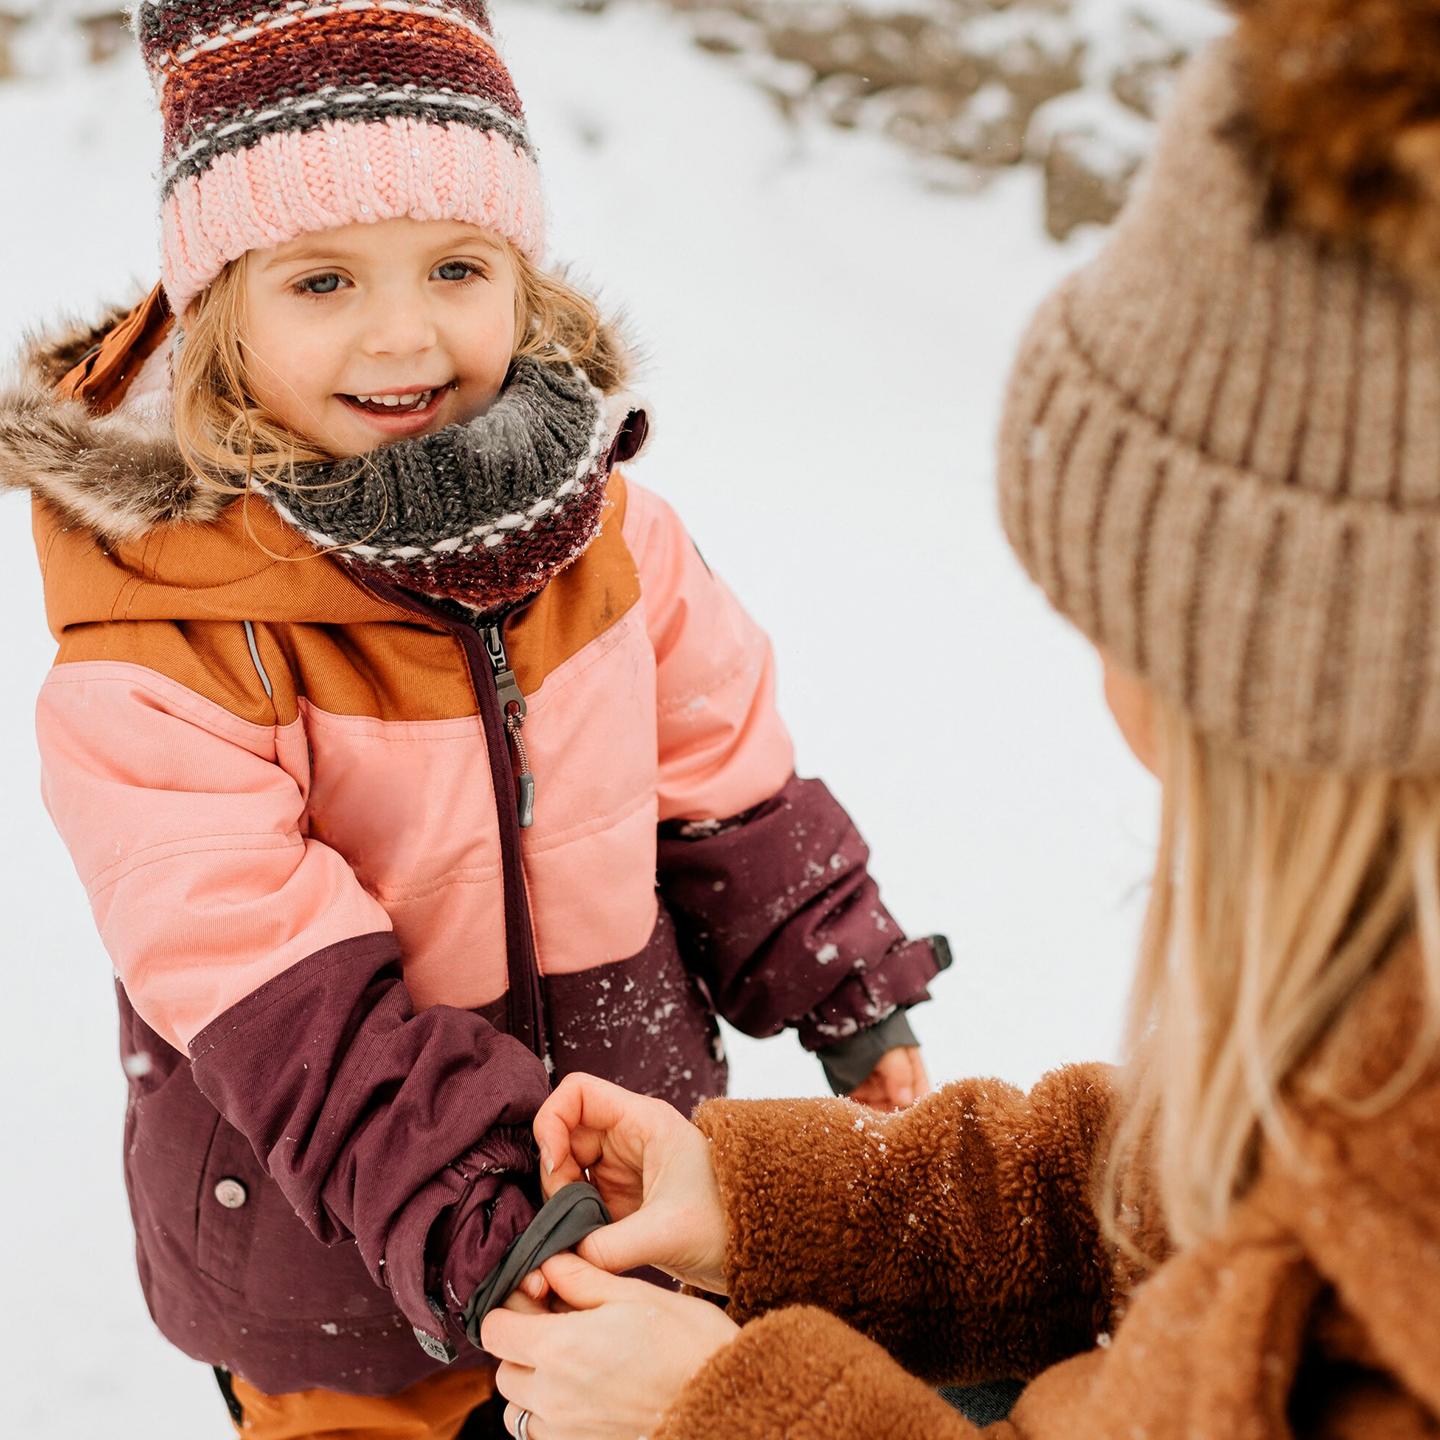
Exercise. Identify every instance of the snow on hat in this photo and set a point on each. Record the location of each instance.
(295, 116)
(1220, 454)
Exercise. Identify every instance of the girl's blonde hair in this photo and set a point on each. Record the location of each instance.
(227, 440)
(1277, 895)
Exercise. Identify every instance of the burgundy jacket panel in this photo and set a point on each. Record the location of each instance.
(231, 1274)
(643, 1022)
(356, 1129)
(374, 1120)
(779, 916)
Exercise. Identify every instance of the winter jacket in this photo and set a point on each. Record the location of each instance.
(346, 978)
(959, 1241)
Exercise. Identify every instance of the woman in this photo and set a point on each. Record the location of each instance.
(1219, 460)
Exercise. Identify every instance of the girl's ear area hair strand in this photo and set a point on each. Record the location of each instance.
(226, 439)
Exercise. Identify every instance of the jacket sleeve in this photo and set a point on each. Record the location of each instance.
(959, 1234)
(252, 947)
(765, 874)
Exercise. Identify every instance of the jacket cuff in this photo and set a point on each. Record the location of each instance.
(561, 1224)
(456, 1228)
(794, 1365)
(871, 995)
(848, 1064)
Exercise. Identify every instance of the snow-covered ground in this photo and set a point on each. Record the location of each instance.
(828, 346)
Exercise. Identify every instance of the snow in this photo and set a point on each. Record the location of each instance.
(1105, 133)
(1116, 29)
(828, 344)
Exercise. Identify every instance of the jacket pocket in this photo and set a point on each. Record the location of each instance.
(226, 1207)
(292, 1276)
(249, 1239)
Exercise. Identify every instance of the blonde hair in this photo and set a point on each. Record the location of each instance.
(1277, 895)
(227, 439)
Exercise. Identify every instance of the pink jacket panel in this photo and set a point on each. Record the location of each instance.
(590, 856)
(722, 745)
(187, 831)
(410, 805)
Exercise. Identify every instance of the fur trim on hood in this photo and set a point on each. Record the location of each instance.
(121, 475)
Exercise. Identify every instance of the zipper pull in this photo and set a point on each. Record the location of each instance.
(513, 709)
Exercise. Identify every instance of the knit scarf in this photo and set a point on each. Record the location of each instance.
(483, 514)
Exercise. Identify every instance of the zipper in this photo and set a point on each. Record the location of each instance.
(525, 1003)
(514, 710)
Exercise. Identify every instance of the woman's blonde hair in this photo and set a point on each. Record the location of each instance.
(1277, 895)
(228, 440)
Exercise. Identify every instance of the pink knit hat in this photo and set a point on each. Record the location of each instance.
(296, 116)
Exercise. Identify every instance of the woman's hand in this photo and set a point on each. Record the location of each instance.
(610, 1365)
(898, 1080)
(654, 1171)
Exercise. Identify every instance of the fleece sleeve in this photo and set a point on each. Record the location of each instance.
(253, 948)
(766, 875)
(958, 1234)
(804, 1374)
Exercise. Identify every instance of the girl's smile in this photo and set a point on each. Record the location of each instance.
(400, 413)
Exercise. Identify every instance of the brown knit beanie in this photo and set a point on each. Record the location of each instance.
(1220, 454)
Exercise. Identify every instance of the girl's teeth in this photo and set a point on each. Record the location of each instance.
(418, 401)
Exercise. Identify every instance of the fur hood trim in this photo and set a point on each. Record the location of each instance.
(119, 475)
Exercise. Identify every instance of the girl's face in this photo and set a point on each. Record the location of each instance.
(367, 334)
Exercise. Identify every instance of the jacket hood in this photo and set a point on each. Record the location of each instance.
(123, 529)
(118, 475)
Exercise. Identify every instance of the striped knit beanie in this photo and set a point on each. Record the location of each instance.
(293, 116)
(1220, 454)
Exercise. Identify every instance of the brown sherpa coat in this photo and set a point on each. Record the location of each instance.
(958, 1241)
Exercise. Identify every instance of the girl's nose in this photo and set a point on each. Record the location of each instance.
(399, 325)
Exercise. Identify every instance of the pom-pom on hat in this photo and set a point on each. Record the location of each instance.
(296, 116)
(1220, 455)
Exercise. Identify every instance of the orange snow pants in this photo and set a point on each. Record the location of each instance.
(435, 1409)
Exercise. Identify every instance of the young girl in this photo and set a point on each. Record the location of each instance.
(380, 703)
(1219, 459)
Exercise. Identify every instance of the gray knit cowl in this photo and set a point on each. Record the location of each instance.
(484, 514)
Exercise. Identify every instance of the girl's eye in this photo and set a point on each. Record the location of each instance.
(319, 285)
(467, 271)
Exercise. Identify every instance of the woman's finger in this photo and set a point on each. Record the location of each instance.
(535, 1430)
(535, 1285)
(518, 1338)
(644, 1237)
(579, 1103)
(584, 1149)
(516, 1383)
(586, 1286)
(577, 1100)
(520, 1302)
(900, 1076)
